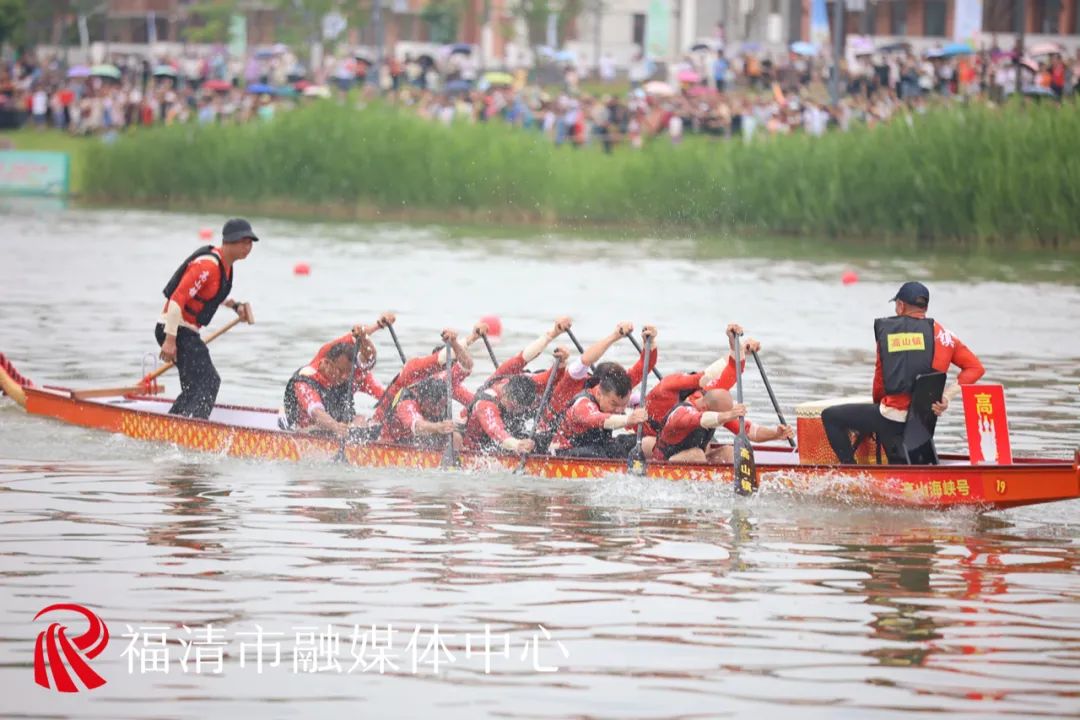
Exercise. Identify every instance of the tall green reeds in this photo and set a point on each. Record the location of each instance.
(964, 176)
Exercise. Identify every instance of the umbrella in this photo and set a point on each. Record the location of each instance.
(164, 71)
(296, 72)
(750, 46)
(217, 85)
(319, 91)
(361, 57)
(1039, 91)
(78, 71)
(498, 78)
(259, 89)
(284, 91)
(1027, 64)
(656, 87)
(953, 49)
(895, 47)
(1047, 48)
(804, 48)
(105, 71)
(461, 49)
(703, 46)
(458, 86)
(426, 61)
(688, 76)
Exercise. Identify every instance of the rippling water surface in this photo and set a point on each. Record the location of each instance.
(651, 599)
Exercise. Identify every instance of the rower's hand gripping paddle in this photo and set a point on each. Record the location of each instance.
(744, 470)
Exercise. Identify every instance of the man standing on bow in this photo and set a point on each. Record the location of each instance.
(198, 287)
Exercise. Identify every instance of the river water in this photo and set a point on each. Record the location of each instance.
(499, 596)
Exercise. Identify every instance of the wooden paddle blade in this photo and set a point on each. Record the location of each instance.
(744, 470)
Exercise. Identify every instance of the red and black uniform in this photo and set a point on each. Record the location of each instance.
(363, 379)
(418, 369)
(906, 348)
(574, 381)
(581, 431)
(489, 423)
(682, 430)
(677, 387)
(406, 409)
(309, 390)
(198, 286)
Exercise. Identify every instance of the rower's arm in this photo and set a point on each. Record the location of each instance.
(461, 353)
(971, 369)
(322, 419)
(533, 349)
(596, 351)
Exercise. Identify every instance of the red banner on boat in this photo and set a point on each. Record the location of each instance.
(987, 425)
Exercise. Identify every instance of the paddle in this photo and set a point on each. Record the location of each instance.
(637, 346)
(148, 379)
(635, 463)
(340, 457)
(491, 353)
(544, 400)
(743, 471)
(393, 336)
(772, 395)
(448, 456)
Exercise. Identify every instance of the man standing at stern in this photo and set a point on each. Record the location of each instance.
(199, 286)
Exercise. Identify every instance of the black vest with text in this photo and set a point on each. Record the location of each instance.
(906, 348)
(201, 309)
(336, 400)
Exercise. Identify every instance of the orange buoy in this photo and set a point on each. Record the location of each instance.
(301, 268)
(494, 325)
(205, 233)
(850, 277)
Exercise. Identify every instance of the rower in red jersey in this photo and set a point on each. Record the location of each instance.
(687, 431)
(580, 375)
(308, 390)
(586, 428)
(425, 366)
(677, 387)
(499, 415)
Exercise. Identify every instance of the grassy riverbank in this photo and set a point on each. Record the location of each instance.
(950, 178)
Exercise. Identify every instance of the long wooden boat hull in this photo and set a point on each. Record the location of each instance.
(252, 433)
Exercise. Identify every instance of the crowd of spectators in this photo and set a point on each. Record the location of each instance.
(708, 92)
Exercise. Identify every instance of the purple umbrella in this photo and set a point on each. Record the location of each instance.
(78, 71)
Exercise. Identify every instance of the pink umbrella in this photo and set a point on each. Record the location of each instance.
(688, 76)
(1047, 48)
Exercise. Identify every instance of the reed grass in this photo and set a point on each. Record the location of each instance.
(965, 176)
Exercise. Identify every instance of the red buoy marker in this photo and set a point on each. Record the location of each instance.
(494, 326)
(205, 233)
(301, 268)
(850, 277)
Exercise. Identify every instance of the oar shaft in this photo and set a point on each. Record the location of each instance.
(209, 339)
(448, 457)
(491, 353)
(637, 460)
(738, 380)
(544, 400)
(352, 375)
(772, 395)
(573, 338)
(393, 336)
(637, 346)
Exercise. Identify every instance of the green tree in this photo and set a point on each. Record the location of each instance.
(12, 21)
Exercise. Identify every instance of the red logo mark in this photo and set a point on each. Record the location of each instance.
(63, 653)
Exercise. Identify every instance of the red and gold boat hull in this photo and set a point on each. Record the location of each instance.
(953, 483)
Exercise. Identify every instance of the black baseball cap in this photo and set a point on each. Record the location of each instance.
(913, 293)
(236, 230)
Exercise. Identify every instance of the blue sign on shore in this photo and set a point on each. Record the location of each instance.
(34, 173)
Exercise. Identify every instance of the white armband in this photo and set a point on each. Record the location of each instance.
(577, 369)
(533, 349)
(714, 371)
(711, 419)
(173, 316)
(509, 443)
(952, 391)
(615, 422)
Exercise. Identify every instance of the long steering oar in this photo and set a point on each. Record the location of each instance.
(448, 456)
(744, 471)
(393, 336)
(772, 395)
(544, 400)
(145, 384)
(340, 457)
(635, 463)
(637, 346)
